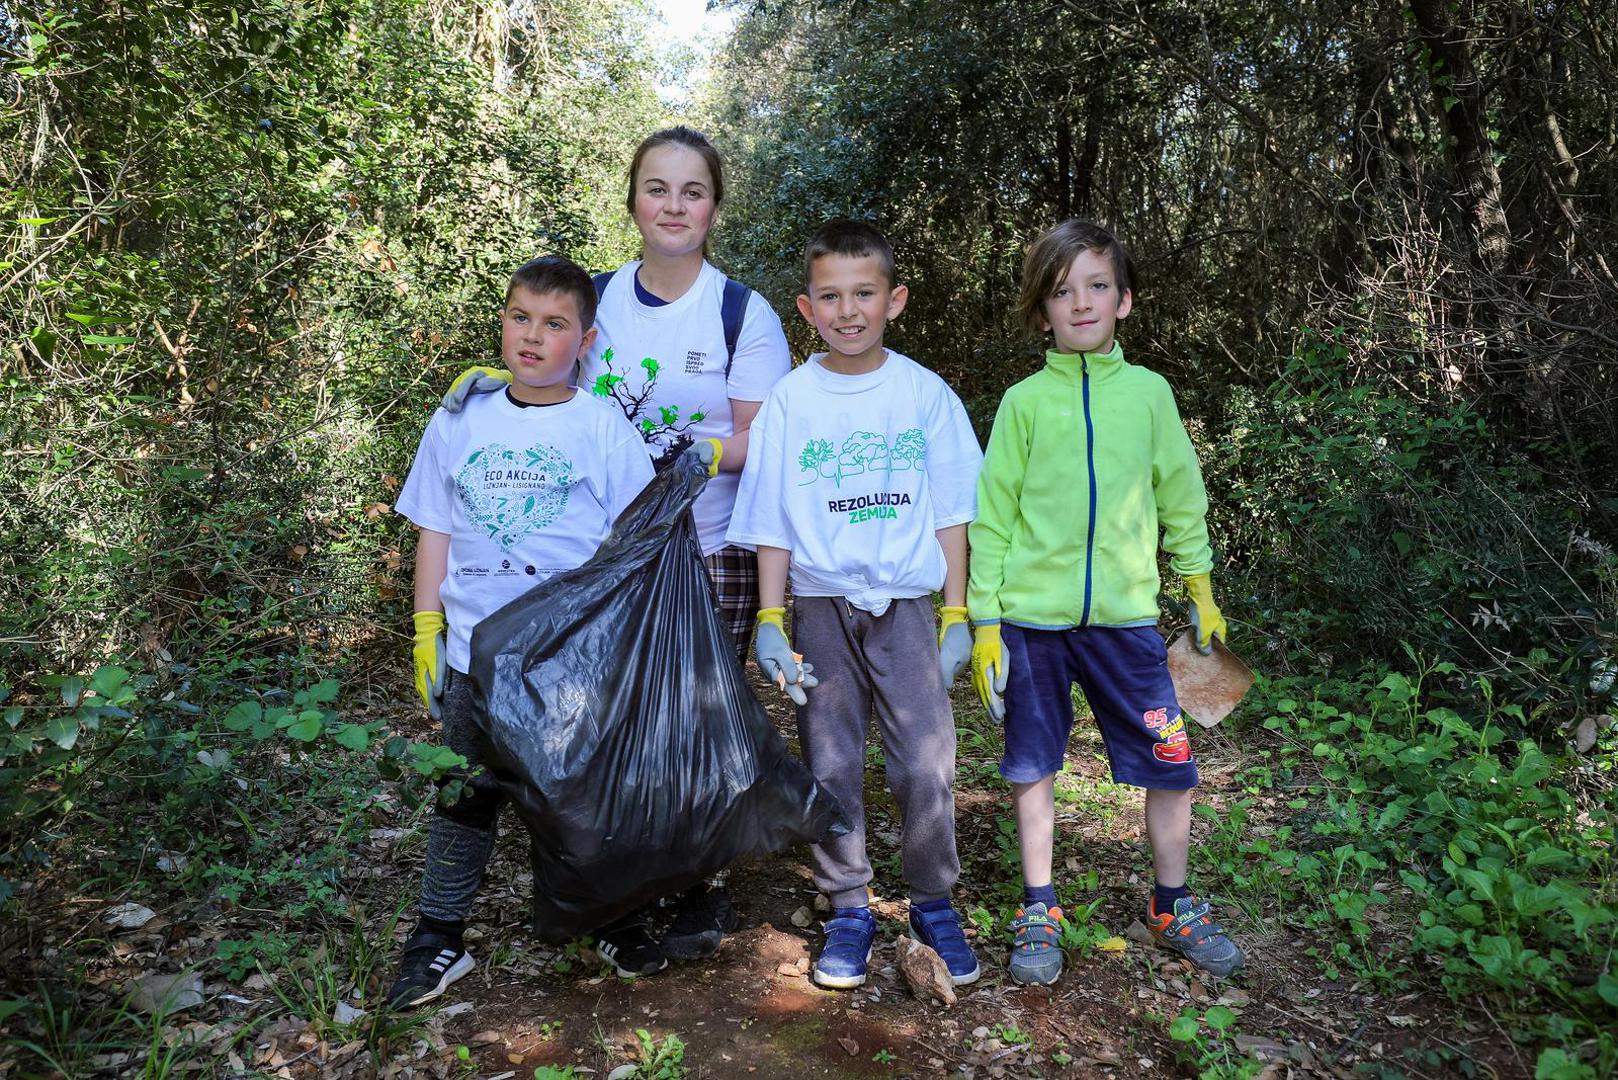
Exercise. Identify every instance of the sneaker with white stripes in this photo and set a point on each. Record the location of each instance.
(430, 963)
(628, 945)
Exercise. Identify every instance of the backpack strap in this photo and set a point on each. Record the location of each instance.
(732, 310)
(600, 282)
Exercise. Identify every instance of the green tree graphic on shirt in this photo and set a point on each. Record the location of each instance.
(909, 449)
(817, 455)
(862, 453)
(659, 425)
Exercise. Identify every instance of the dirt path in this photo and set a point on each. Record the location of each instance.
(751, 1010)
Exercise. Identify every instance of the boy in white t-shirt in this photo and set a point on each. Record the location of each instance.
(861, 478)
(507, 490)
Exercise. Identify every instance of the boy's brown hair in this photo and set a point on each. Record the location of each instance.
(851, 239)
(555, 274)
(1045, 266)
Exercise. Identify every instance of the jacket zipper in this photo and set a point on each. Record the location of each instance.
(1090, 462)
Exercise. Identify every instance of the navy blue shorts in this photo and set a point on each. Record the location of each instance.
(1124, 673)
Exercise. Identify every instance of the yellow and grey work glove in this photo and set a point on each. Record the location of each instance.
(708, 451)
(428, 654)
(954, 642)
(474, 380)
(781, 665)
(989, 670)
(1206, 621)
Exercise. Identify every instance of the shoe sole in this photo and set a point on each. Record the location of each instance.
(958, 980)
(455, 971)
(625, 973)
(698, 946)
(1022, 979)
(1241, 959)
(695, 947)
(844, 982)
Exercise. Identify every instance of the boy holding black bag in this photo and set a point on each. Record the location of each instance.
(507, 489)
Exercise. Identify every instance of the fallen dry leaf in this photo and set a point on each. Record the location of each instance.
(1260, 1047)
(168, 993)
(849, 1046)
(128, 916)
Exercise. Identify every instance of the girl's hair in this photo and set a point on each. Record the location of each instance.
(1045, 266)
(691, 139)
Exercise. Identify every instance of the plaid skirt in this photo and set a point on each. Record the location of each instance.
(734, 573)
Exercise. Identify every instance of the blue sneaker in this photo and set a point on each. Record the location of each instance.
(1191, 931)
(1036, 948)
(845, 959)
(941, 931)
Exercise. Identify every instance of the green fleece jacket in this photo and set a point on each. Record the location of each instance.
(1087, 460)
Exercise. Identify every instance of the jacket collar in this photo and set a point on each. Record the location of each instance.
(1073, 365)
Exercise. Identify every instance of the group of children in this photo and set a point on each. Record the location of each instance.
(865, 488)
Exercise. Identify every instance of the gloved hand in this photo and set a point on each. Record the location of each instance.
(1206, 621)
(781, 665)
(989, 670)
(709, 451)
(428, 654)
(474, 380)
(954, 642)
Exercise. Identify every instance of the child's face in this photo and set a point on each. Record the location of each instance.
(1084, 311)
(674, 204)
(541, 337)
(850, 302)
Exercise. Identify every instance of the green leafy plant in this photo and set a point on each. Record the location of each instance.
(660, 1059)
(1208, 1044)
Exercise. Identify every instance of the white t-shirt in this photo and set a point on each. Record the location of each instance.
(524, 492)
(854, 474)
(691, 394)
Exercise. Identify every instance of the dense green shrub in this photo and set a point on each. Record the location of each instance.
(1427, 823)
(247, 256)
(249, 243)
(1355, 518)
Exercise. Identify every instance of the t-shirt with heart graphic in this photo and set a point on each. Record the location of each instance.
(524, 492)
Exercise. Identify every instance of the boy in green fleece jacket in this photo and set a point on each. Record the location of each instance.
(1086, 462)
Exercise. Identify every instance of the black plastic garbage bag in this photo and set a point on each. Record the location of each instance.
(616, 716)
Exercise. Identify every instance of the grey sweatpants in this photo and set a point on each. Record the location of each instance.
(889, 663)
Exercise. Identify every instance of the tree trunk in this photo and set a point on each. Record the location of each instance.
(1461, 105)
